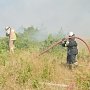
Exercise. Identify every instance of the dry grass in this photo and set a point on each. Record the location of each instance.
(24, 71)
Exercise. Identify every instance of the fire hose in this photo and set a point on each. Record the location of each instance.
(60, 42)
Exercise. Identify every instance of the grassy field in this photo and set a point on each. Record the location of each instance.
(24, 70)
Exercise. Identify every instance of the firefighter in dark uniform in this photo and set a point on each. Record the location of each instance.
(72, 50)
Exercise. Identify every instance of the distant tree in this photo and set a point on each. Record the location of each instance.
(25, 39)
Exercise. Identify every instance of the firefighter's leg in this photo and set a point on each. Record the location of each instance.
(73, 58)
(11, 46)
(69, 61)
(74, 62)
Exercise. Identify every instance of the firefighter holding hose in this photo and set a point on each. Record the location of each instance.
(71, 45)
(72, 50)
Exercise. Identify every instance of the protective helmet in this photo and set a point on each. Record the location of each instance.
(71, 34)
(6, 28)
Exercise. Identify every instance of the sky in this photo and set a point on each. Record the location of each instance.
(47, 15)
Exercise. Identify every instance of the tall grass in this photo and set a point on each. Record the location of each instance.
(25, 71)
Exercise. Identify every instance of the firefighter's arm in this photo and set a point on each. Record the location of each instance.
(65, 42)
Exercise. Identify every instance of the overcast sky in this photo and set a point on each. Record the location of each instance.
(48, 15)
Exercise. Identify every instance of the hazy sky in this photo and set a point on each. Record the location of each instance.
(48, 15)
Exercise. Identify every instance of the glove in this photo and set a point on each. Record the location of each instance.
(67, 42)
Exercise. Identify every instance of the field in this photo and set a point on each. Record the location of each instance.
(25, 70)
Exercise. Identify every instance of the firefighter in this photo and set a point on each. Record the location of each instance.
(72, 50)
(10, 32)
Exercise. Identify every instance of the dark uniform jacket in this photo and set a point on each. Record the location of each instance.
(71, 47)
